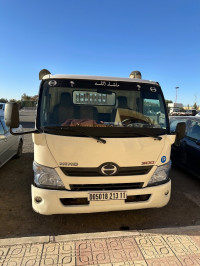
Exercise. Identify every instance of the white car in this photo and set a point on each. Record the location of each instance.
(10, 145)
(198, 114)
(2, 108)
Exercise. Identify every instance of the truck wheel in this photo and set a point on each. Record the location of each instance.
(19, 150)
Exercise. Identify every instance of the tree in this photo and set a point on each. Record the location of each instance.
(25, 97)
(195, 106)
(34, 98)
(13, 101)
(3, 100)
(168, 101)
(28, 101)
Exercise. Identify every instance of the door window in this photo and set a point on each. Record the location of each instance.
(193, 130)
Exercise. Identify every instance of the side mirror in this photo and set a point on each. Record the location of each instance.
(180, 132)
(11, 115)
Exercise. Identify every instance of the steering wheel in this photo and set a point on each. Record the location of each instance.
(128, 121)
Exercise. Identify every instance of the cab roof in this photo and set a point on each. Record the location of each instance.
(103, 78)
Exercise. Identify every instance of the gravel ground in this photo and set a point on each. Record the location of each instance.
(18, 219)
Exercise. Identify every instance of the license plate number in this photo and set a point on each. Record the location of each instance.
(101, 196)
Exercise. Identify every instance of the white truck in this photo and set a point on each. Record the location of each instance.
(100, 144)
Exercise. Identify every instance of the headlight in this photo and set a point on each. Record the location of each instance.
(46, 177)
(161, 174)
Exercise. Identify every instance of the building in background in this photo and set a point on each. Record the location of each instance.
(175, 107)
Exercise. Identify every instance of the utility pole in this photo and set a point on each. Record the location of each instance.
(195, 98)
(195, 102)
(176, 88)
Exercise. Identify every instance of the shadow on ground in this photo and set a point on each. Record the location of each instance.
(18, 219)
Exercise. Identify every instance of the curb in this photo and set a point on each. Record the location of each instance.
(88, 236)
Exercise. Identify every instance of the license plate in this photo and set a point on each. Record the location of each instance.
(101, 196)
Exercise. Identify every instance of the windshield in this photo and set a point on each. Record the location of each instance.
(105, 108)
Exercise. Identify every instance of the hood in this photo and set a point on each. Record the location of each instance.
(87, 152)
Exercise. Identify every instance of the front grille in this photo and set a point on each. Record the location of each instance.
(95, 171)
(96, 187)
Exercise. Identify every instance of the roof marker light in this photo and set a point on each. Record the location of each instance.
(135, 75)
(43, 72)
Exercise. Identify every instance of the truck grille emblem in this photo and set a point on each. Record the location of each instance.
(52, 83)
(108, 169)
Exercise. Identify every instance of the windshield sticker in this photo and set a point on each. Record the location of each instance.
(108, 84)
(163, 159)
(52, 83)
(152, 89)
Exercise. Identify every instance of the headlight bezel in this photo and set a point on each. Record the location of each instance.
(161, 175)
(53, 180)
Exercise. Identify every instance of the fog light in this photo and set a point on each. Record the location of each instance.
(38, 199)
(167, 192)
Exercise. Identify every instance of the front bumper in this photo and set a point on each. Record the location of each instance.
(51, 200)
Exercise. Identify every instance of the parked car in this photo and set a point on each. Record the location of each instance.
(191, 112)
(2, 108)
(198, 114)
(187, 154)
(10, 145)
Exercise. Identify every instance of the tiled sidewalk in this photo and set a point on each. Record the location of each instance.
(132, 248)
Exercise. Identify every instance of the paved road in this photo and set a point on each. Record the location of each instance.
(18, 219)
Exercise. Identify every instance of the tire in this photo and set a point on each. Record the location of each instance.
(19, 150)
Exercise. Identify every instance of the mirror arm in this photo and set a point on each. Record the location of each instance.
(23, 133)
(177, 143)
(198, 142)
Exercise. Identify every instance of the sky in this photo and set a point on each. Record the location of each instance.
(101, 37)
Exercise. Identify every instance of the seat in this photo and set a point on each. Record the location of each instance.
(121, 103)
(88, 112)
(64, 110)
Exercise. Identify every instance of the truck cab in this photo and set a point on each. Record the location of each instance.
(100, 144)
(103, 144)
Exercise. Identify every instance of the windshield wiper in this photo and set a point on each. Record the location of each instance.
(99, 139)
(146, 135)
